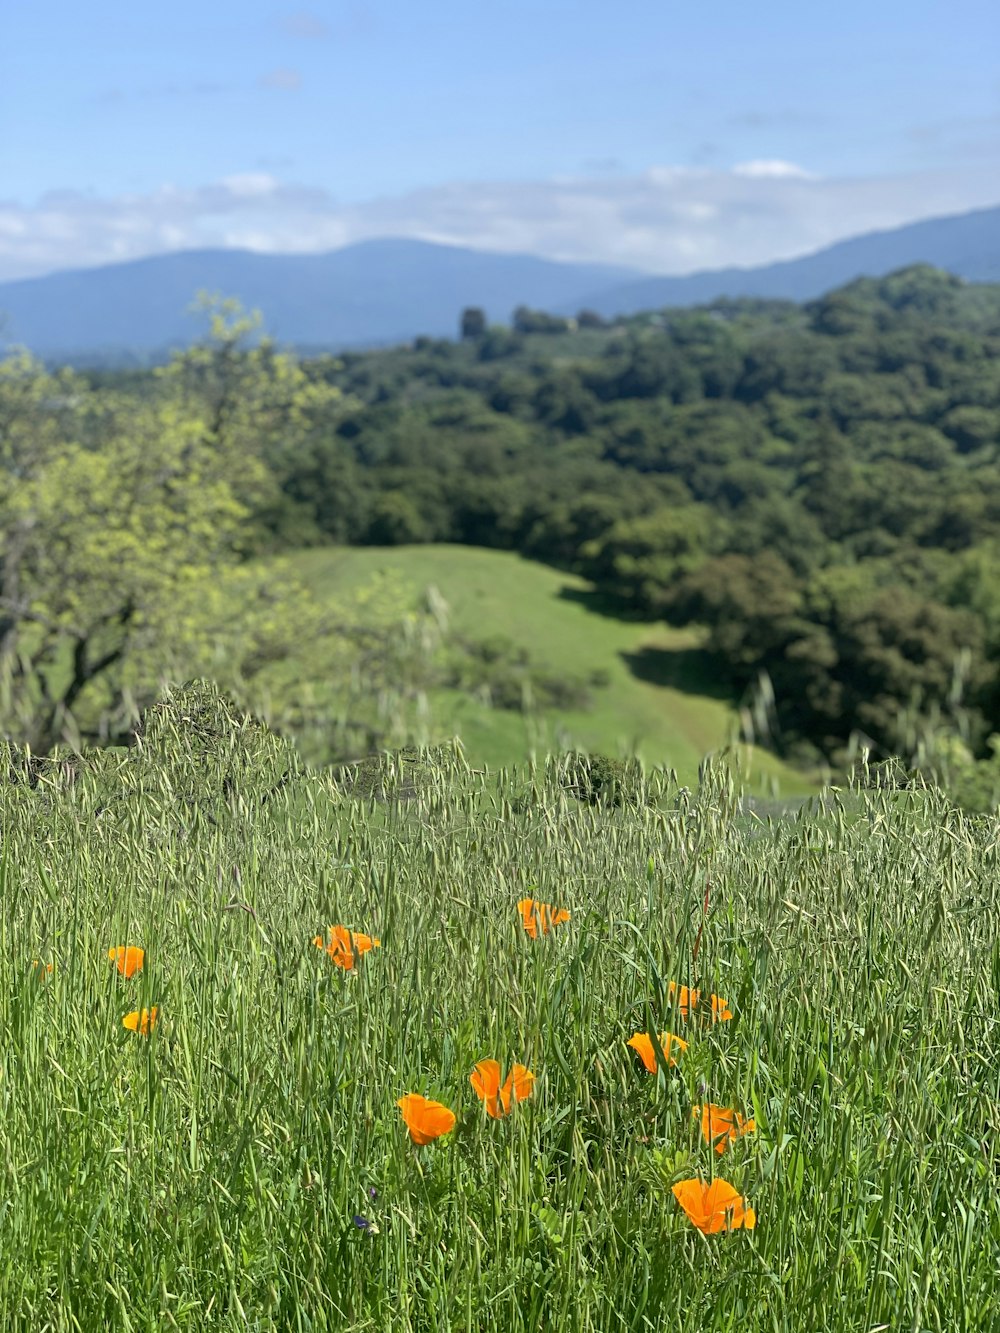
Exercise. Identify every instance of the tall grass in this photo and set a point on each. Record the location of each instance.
(209, 1177)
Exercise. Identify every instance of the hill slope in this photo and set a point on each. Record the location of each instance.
(499, 593)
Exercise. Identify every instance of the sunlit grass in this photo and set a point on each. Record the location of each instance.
(652, 705)
(216, 1173)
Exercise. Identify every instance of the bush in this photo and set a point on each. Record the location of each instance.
(397, 775)
(201, 744)
(598, 779)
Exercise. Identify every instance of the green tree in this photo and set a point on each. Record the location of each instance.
(104, 535)
(473, 322)
(641, 560)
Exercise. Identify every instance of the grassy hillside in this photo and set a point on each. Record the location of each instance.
(659, 702)
(243, 1163)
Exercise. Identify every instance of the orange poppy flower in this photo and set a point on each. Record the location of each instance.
(499, 1100)
(426, 1120)
(40, 969)
(641, 1043)
(535, 915)
(721, 1125)
(714, 1207)
(143, 1022)
(345, 945)
(127, 959)
(687, 1003)
(687, 1000)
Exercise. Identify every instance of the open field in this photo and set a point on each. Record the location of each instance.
(661, 702)
(245, 1164)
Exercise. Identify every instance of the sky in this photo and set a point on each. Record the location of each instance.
(664, 136)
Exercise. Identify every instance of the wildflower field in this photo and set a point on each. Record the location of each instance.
(475, 1055)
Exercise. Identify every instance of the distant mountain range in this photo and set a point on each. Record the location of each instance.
(967, 244)
(385, 291)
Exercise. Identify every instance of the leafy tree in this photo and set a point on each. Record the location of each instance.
(526, 320)
(96, 546)
(395, 520)
(752, 607)
(641, 560)
(102, 538)
(972, 427)
(473, 323)
(590, 319)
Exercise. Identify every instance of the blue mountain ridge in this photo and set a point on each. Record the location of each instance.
(390, 290)
(966, 244)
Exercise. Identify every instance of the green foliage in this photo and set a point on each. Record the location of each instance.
(503, 675)
(599, 779)
(121, 526)
(398, 775)
(643, 559)
(473, 324)
(525, 320)
(201, 745)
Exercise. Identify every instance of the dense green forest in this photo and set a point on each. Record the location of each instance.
(816, 485)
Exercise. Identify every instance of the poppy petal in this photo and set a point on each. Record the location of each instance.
(537, 916)
(127, 958)
(141, 1021)
(485, 1080)
(721, 1125)
(345, 946)
(517, 1086)
(425, 1119)
(713, 1207)
(523, 1082)
(641, 1043)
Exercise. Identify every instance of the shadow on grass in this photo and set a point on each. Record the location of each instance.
(690, 670)
(601, 604)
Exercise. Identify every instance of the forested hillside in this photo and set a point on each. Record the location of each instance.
(817, 485)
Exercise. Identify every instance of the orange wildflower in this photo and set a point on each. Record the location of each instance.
(499, 1100)
(142, 1022)
(40, 969)
(536, 915)
(687, 1003)
(426, 1120)
(714, 1207)
(127, 959)
(345, 945)
(641, 1043)
(687, 1000)
(721, 1125)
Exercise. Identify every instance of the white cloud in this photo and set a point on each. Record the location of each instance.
(772, 167)
(250, 185)
(666, 220)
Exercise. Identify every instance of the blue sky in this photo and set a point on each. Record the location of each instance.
(678, 135)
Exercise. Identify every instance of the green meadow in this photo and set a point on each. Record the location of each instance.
(662, 700)
(245, 1164)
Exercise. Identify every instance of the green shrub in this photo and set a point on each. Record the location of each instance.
(598, 779)
(397, 775)
(202, 744)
